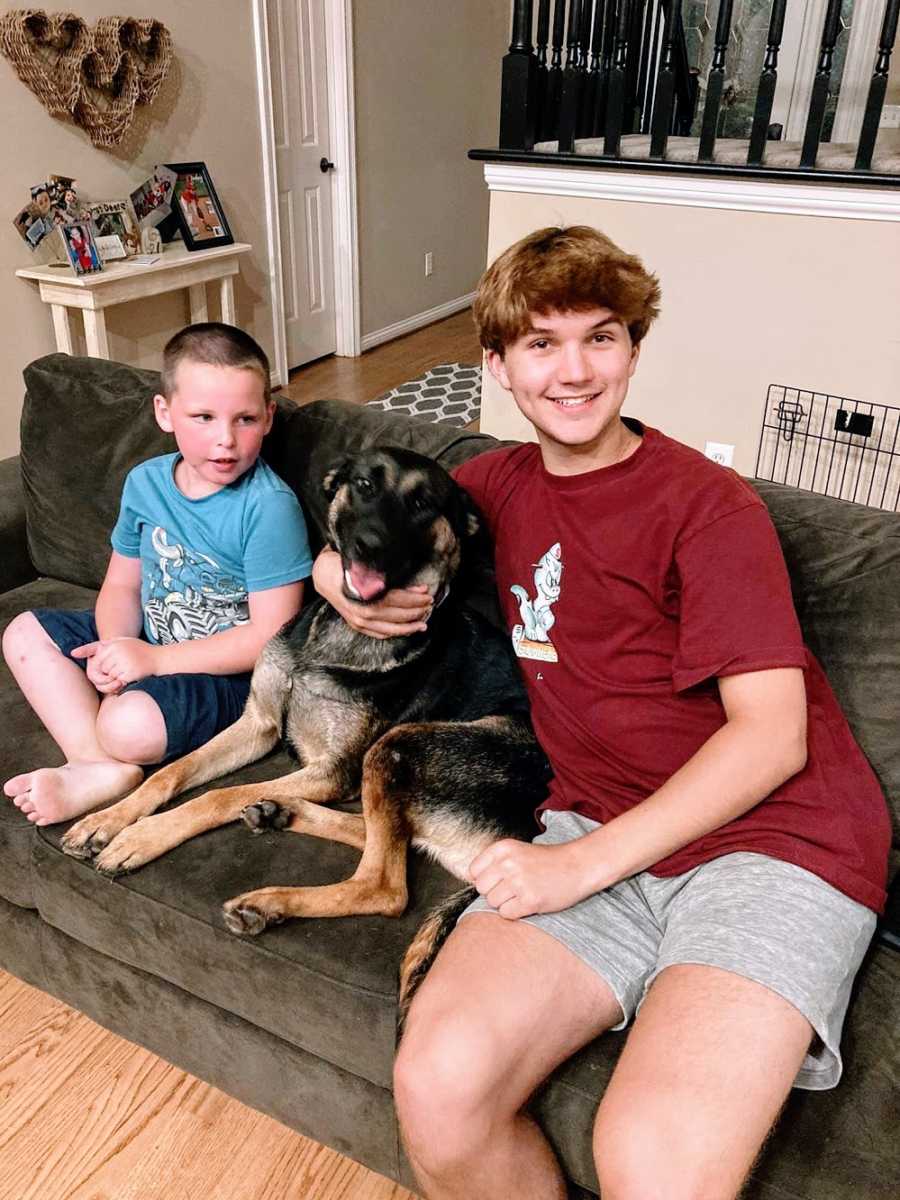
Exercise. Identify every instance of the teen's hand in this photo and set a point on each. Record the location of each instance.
(519, 879)
(123, 659)
(397, 614)
(102, 680)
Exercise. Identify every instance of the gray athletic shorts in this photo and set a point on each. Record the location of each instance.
(767, 920)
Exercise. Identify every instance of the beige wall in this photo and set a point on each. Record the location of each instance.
(427, 91)
(749, 299)
(206, 110)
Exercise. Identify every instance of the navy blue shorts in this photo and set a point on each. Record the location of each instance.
(194, 707)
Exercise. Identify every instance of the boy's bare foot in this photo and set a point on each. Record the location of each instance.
(53, 794)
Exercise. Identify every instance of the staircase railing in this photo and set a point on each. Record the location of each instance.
(584, 78)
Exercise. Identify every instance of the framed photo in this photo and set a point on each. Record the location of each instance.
(115, 219)
(152, 201)
(195, 203)
(81, 249)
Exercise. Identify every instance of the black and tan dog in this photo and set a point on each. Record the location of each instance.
(432, 729)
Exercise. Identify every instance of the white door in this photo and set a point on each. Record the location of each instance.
(298, 65)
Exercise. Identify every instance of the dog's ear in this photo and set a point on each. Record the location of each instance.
(335, 476)
(467, 518)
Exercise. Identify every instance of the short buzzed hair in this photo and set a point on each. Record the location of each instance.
(217, 345)
(562, 270)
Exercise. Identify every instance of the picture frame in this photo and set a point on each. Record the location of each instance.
(152, 201)
(196, 206)
(81, 249)
(115, 219)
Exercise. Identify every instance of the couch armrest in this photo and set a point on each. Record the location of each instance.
(15, 564)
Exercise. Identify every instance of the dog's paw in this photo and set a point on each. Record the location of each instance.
(91, 834)
(133, 847)
(266, 814)
(248, 917)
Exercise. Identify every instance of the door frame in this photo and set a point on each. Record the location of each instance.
(342, 140)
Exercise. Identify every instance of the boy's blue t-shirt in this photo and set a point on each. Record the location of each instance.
(201, 558)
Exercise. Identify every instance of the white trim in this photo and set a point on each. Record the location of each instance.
(751, 195)
(802, 72)
(410, 324)
(342, 140)
(273, 240)
(342, 147)
(858, 66)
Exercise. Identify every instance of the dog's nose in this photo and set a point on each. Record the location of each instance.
(365, 544)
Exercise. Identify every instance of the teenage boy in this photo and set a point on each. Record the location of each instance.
(208, 558)
(715, 843)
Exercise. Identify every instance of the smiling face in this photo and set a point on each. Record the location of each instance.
(219, 417)
(569, 374)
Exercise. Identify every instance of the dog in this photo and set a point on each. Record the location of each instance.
(432, 730)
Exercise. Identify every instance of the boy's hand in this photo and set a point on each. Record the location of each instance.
(397, 614)
(123, 660)
(102, 681)
(519, 879)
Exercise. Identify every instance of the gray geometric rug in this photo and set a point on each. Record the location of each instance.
(449, 394)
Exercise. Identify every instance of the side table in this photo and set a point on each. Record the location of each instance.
(122, 280)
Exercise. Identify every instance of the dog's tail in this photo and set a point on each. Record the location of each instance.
(429, 938)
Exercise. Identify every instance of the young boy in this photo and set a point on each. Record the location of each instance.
(209, 554)
(715, 843)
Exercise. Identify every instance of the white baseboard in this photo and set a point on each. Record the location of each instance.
(410, 324)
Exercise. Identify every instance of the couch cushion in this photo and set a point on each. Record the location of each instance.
(844, 562)
(325, 986)
(25, 743)
(85, 423)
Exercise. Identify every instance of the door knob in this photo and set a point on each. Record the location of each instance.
(325, 166)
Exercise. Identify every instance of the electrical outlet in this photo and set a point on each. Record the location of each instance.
(429, 263)
(720, 452)
(890, 117)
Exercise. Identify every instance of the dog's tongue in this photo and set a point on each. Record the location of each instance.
(365, 582)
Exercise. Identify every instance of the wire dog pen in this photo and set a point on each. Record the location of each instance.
(831, 445)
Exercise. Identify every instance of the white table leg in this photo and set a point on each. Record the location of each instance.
(199, 307)
(95, 332)
(61, 328)
(227, 297)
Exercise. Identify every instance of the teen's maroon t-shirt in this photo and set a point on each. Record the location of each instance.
(628, 591)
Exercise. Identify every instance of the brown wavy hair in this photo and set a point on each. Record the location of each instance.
(562, 270)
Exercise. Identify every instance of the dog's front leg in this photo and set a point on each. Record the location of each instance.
(154, 835)
(253, 734)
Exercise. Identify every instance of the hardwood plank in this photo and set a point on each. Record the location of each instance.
(376, 371)
(85, 1115)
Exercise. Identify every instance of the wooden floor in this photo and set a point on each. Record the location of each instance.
(85, 1115)
(376, 371)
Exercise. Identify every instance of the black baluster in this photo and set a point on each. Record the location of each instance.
(591, 95)
(573, 79)
(518, 89)
(633, 65)
(542, 40)
(877, 88)
(606, 61)
(714, 84)
(615, 106)
(765, 94)
(664, 101)
(550, 112)
(816, 116)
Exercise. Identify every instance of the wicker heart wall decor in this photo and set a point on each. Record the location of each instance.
(96, 74)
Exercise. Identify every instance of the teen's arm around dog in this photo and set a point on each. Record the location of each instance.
(761, 744)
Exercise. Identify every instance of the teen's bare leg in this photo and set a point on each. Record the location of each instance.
(705, 1071)
(103, 740)
(502, 1006)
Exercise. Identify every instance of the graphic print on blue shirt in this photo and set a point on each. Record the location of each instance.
(190, 596)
